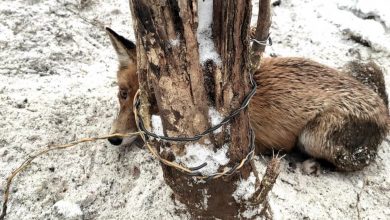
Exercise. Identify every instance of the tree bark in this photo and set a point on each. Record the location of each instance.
(171, 74)
(262, 33)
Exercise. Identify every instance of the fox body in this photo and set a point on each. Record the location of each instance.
(339, 116)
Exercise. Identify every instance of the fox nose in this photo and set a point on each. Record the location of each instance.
(115, 140)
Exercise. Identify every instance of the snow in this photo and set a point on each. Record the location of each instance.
(368, 29)
(206, 44)
(275, 209)
(379, 9)
(245, 188)
(196, 154)
(5, 33)
(68, 209)
(175, 42)
(205, 198)
(215, 118)
(65, 66)
(250, 212)
(157, 126)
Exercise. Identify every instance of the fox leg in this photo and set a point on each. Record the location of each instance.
(346, 141)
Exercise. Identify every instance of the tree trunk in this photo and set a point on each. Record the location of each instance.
(174, 73)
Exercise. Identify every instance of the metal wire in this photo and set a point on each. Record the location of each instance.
(194, 171)
(197, 174)
(197, 137)
(266, 42)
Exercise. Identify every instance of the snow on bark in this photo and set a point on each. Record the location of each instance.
(215, 118)
(197, 154)
(206, 45)
(157, 126)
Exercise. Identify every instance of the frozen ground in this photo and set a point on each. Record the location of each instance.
(57, 84)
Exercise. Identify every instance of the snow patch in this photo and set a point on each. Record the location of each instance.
(197, 154)
(215, 118)
(6, 34)
(205, 198)
(68, 209)
(157, 126)
(369, 30)
(251, 212)
(274, 208)
(375, 8)
(174, 42)
(245, 188)
(206, 44)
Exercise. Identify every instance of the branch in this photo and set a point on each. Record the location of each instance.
(262, 33)
(268, 181)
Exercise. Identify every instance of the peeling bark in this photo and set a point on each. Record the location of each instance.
(184, 89)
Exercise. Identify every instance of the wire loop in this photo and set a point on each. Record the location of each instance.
(266, 42)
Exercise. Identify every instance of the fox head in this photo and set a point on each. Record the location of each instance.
(127, 81)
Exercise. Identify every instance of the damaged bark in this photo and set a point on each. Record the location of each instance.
(171, 74)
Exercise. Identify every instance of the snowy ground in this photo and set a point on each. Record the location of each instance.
(57, 84)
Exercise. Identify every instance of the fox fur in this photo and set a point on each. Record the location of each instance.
(339, 116)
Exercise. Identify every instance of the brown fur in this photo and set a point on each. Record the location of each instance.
(329, 114)
(371, 75)
(127, 80)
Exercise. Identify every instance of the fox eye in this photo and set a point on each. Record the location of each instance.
(123, 93)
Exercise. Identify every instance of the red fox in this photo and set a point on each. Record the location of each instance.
(339, 116)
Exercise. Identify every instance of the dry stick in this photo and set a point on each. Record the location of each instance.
(257, 175)
(261, 34)
(358, 197)
(44, 151)
(267, 183)
(95, 22)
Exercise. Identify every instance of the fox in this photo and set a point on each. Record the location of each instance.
(340, 116)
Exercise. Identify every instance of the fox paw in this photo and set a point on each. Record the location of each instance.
(311, 167)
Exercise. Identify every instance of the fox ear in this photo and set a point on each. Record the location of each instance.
(125, 49)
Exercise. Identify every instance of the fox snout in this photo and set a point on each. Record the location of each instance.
(123, 124)
(114, 130)
(115, 140)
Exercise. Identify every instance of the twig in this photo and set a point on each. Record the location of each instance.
(266, 185)
(268, 181)
(257, 175)
(42, 152)
(95, 22)
(358, 196)
(261, 34)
